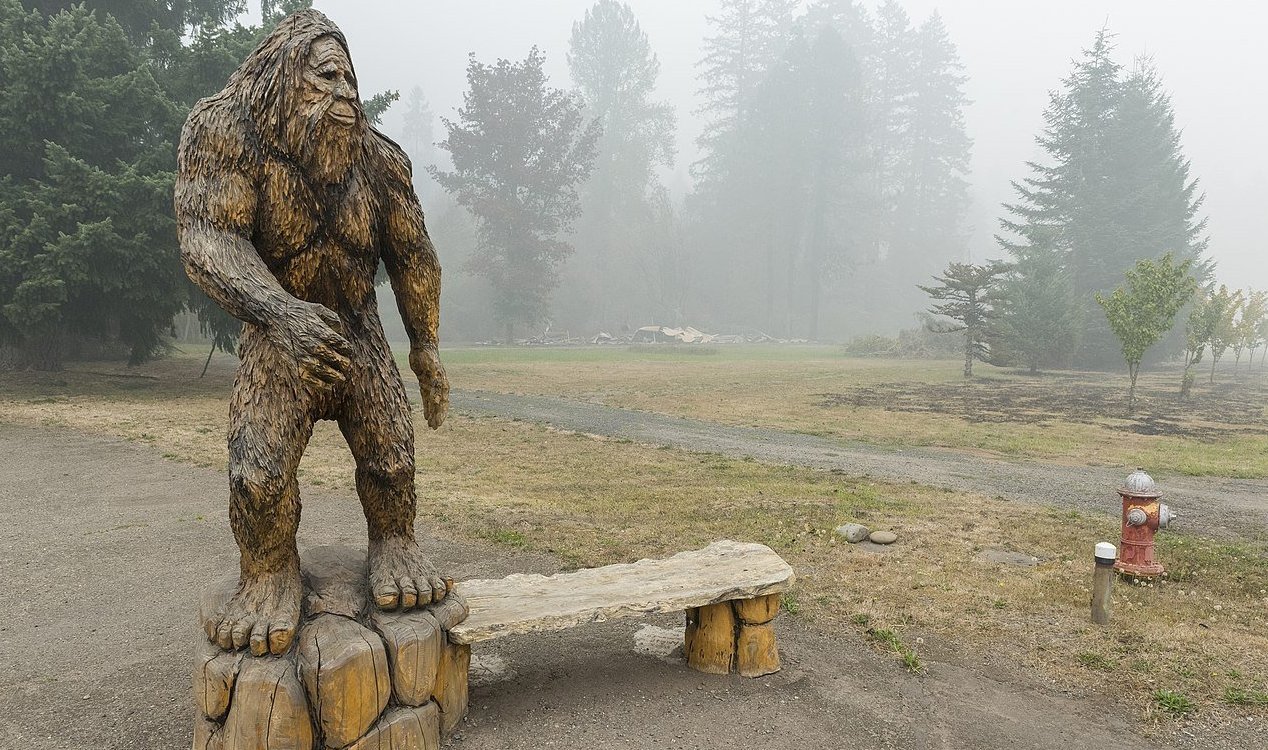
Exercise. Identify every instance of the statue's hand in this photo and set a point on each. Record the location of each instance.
(311, 333)
(432, 381)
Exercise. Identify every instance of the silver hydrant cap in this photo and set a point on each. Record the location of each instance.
(1140, 484)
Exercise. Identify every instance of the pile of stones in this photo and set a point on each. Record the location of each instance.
(857, 532)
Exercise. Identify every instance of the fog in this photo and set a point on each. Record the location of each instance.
(1013, 55)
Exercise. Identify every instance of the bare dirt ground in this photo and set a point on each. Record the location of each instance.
(1218, 506)
(106, 545)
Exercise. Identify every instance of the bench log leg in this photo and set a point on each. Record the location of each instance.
(737, 635)
(756, 653)
(709, 641)
(450, 692)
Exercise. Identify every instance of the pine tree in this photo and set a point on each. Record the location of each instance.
(1036, 316)
(520, 148)
(966, 294)
(928, 165)
(1114, 187)
(615, 71)
(87, 243)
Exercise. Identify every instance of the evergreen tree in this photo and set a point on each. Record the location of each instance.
(418, 132)
(615, 71)
(520, 149)
(966, 295)
(1115, 187)
(1036, 316)
(87, 244)
(927, 165)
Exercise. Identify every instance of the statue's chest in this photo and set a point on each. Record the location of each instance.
(301, 221)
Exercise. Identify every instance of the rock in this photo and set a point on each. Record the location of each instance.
(757, 611)
(755, 652)
(522, 603)
(490, 669)
(882, 537)
(652, 640)
(414, 641)
(400, 728)
(853, 532)
(214, 673)
(344, 668)
(1004, 557)
(451, 685)
(269, 710)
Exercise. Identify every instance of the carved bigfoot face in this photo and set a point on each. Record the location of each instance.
(330, 86)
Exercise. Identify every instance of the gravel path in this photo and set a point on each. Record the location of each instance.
(1220, 507)
(106, 546)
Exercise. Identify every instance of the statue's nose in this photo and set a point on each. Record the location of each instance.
(344, 90)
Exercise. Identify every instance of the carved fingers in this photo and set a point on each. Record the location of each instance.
(433, 384)
(312, 332)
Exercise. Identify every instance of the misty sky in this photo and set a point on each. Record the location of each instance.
(1014, 52)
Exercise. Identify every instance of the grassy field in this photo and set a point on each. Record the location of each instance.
(1195, 645)
(1078, 418)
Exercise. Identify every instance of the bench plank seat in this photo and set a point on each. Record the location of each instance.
(532, 603)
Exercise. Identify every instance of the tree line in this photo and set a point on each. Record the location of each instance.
(833, 170)
(833, 173)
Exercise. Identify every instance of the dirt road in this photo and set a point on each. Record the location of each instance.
(105, 546)
(1221, 507)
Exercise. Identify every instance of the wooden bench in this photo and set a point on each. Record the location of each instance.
(729, 590)
(359, 678)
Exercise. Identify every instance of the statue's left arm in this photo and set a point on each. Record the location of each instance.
(414, 271)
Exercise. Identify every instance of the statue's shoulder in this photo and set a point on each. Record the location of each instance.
(217, 135)
(390, 161)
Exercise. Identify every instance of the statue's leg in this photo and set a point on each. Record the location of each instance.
(375, 419)
(270, 422)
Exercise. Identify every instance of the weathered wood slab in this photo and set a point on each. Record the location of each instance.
(414, 641)
(214, 673)
(524, 603)
(344, 668)
(404, 728)
(269, 709)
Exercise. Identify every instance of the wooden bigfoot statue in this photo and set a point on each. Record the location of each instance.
(286, 201)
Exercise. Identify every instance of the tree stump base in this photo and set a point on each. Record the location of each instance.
(733, 636)
(357, 678)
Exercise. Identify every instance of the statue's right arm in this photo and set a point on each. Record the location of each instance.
(214, 214)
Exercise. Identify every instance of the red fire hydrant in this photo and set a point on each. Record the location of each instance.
(1143, 515)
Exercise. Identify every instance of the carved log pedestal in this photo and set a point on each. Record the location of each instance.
(357, 678)
(734, 636)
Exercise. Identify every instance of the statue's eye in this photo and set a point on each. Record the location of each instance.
(328, 74)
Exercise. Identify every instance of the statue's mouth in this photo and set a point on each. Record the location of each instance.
(343, 113)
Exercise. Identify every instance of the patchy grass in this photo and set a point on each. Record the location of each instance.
(1066, 417)
(890, 640)
(1173, 703)
(591, 501)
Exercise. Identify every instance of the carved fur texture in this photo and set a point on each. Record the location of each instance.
(286, 201)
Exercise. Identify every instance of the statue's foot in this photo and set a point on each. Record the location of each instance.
(263, 614)
(400, 576)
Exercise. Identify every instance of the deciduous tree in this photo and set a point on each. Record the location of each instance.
(1143, 310)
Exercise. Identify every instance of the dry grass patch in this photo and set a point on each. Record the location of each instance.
(1202, 635)
(1221, 431)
